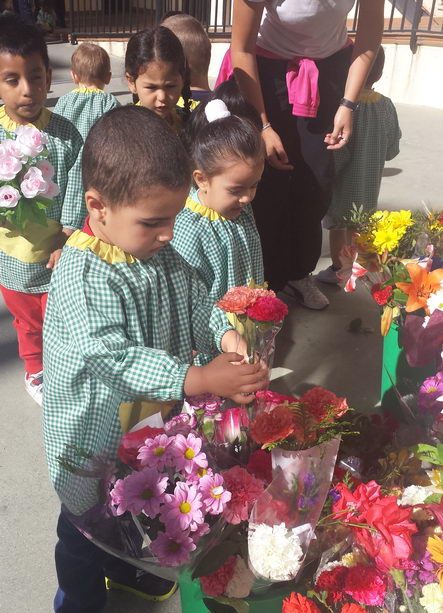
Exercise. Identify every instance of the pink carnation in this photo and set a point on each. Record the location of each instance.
(180, 424)
(267, 309)
(245, 490)
(366, 585)
(216, 583)
(237, 300)
(270, 399)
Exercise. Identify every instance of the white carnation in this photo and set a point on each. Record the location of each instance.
(274, 551)
(435, 301)
(432, 599)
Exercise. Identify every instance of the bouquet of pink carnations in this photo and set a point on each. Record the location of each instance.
(26, 185)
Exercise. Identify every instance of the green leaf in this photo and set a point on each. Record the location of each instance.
(399, 296)
(434, 499)
(215, 558)
(427, 453)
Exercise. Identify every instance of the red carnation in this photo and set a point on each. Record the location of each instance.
(297, 603)
(272, 427)
(332, 581)
(268, 309)
(131, 443)
(321, 402)
(366, 585)
(260, 465)
(350, 607)
(381, 295)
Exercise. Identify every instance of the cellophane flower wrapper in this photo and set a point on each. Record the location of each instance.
(27, 188)
(284, 517)
(158, 502)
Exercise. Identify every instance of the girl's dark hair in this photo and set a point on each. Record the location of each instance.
(128, 151)
(238, 136)
(158, 44)
(19, 38)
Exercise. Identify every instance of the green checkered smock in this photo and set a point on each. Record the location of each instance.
(84, 106)
(64, 146)
(225, 252)
(116, 329)
(359, 166)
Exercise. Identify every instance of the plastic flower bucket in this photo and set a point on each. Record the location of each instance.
(270, 601)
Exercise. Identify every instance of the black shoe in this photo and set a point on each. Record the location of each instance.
(146, 586)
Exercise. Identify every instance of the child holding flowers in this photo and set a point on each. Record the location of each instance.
(216, 231)
(29, 253)
(125, 313)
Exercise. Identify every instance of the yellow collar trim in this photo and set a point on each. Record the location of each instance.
(369, 96)
(202, 210)
(10, 126)
(106, 252)
(88, 90)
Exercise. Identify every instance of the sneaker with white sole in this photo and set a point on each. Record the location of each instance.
(307, 293)
(34, 386)
(329, 275)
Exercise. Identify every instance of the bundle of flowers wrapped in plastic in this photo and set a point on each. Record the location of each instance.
(397, 253)
(26, 186)
(380, 534)
(257, 314)
(278, 477)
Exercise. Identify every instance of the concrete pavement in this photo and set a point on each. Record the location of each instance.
(313, 348)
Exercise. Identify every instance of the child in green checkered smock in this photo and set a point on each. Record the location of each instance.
(91, 72)
(216, 231)
(28, 257)
(359, 165)
(125, 313)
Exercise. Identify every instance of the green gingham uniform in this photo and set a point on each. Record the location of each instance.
(64, 147)
(114, 333)
(85, 107)
(225, 252)
(359, 166)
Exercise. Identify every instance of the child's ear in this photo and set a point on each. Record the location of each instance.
(131, 83)
(108, 78)
(200, 179)
(95, 205)
(74, 77)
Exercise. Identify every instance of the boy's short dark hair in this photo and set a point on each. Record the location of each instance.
(128, 151)
(19, 38)
(90, 63)
(194, 40)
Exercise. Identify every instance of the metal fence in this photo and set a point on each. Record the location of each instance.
(410, 20)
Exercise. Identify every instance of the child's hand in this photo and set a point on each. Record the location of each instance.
(223, 377)
(53, 259)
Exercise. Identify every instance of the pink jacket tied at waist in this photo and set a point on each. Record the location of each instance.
(301, 81)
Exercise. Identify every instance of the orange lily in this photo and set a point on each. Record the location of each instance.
(423, 284)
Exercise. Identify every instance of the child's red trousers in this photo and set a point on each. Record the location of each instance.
(28, 311)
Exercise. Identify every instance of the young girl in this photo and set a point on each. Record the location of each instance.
(157, 74)
(216, 231)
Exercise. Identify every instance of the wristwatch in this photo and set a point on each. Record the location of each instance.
(348, 104)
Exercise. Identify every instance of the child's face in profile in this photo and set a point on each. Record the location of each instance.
(158, 87)
(24, 84)
(142, 228)
(229, 191)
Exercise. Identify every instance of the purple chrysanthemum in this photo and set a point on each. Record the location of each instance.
(172, 550)
(214, 495)
(430, 391)
(182, 509)
(156, 452)
(140, 491)
(187, 453)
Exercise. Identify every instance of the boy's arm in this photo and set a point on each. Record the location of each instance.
(93, 311)
(394, 133)
(74, 208)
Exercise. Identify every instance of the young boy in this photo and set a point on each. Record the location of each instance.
(26, 259)
(91, 72)
(197, 48)
(359, 166)
(125, 313)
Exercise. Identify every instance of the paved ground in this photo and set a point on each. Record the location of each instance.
(312, 348)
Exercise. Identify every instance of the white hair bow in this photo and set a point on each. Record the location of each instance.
(216, 109)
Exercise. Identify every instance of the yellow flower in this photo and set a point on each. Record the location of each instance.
(435, 548)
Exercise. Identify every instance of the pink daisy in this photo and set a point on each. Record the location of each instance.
(172, 550)
(182, 509)
(156, 452)
(140, 491)
(187, 453)
(202, 530)
(213, 493)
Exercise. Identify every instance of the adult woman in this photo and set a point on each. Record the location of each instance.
(296, 64)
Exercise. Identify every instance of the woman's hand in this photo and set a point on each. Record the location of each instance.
(275, 152)
(342, 129)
